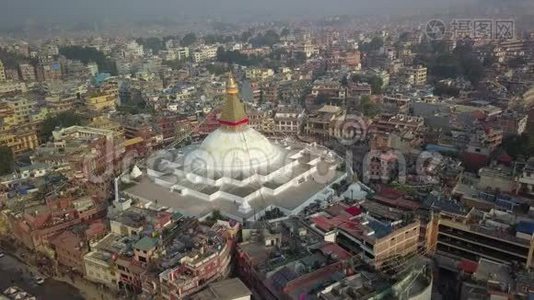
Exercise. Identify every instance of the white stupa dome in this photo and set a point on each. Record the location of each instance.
(234, 148)
(227, 150)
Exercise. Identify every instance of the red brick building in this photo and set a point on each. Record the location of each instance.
(70, 249)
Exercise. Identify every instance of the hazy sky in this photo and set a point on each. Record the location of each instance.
(36, 11)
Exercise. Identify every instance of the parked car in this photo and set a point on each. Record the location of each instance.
(38, 280)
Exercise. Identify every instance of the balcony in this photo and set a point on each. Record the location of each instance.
(476, 251)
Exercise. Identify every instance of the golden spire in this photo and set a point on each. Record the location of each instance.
(231, 85)
(233, 113)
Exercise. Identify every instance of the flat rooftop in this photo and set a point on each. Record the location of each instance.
(228, 289)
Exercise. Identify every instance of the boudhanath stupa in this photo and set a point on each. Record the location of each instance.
(238, 171)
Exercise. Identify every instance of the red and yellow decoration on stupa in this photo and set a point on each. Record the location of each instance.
(233, 112)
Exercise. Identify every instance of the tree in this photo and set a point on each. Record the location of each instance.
(236, 57)
(445, 66)
(268, 39)
(152, 43)
(285, 32)
(211, 39)
(63, 119)
(375, 44)
(403, 37)
(135, 108)
(188, 39)
(90, 54)
(216, 69)
(472, 67)
(174, 64)
(518, 145)
(463, 61)
(368, 107)
(446, 90)
(12, 60)
(376, 83)
(358, 78)
(300, 58)
(245, 36)
(6, 160)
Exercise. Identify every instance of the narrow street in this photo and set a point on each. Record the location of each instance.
(14, 272)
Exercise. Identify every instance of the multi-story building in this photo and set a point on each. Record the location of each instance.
(307, 48)
(134, 220)
(279, 263)
(121, 258)
(12, 87)
(70, 250)
(83, 152)
(34, 227)
(139, 127)
(7, 116)
(386, 123)
(182, 53)
(288, 120)
(417, 75)
(188, 270)
(2, 72)
(359, 89)
(477, 235)
(348, 127)
(22, 108)
(19, 137)
(260, 120)
(351, 59)
(205, 53)
(12, 74)
(133, 49)
(319, 123)
(333, 90)
(93, 68)
(57, 103)
(377, 242)
(20, 140)
(27, 72)
(526, 178)
(171, 127)
(511, 123)
(258, 73)
(497, 178)
(398, 102)
(99, 265)
(52, 71)
(17, 131)
(102, 101)
(269, 92)
(229, 289)
(514, 48)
